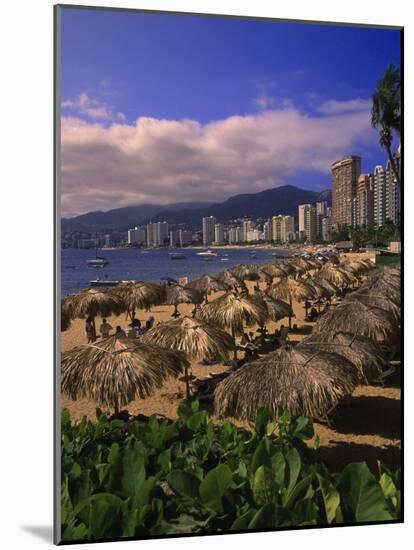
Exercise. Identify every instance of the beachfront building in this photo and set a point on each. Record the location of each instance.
(310, 224)
(219, 233)
(235, 235)
(287, 229)
(174, 239)
(137, 236)
(157, 234)
(379, 196)
(301, 211)
(253, 235)
(267, 230)
(247, 225)
(209, 224)
(185, 238)
(345, 174)
(277, 228)
(365, 200)
(393, 199)
(107, 243)
(326, 229)
(321, 210)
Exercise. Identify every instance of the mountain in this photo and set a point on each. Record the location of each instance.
(280, 200)
(121, 219)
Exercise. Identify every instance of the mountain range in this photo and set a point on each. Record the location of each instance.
(279, 200)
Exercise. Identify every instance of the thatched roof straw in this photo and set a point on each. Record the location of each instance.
(356, 318)
(140, 294)
(274, 270)
(177, 294)
(336, 275)
(196, 338)
(232, 311)
(302, 381)
(276, 309)
(302, 263)
(64, 320)
(370, 299)
(319, 291)
(327, 285)
(248, 272)
(207, 284)
(291, 289)
(93, 302)
(387, 285)
(230, 279)
(365, 354)
(114, 372)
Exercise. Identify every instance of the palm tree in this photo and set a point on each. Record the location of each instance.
(386, 111)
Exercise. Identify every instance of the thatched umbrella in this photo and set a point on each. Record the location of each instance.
(336, 275)
(292, 289)
(302, 381)
(232, 311)
(327, 285)
(92, 302)
(369, 299)
(356, 318)
(365, 354)
(115, 371)
(272, 271)
(205, 284)
(140, 295)
(249, 272)
(385, 284)
(228, 278)
(287, 268)
(275, 309)
(196, 338)
(64, 320)
(177, 294)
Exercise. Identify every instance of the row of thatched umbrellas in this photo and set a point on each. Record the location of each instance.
(206, 336)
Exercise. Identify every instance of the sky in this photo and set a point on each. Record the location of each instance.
(161, 108)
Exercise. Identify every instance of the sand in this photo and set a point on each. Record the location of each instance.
(366, 428)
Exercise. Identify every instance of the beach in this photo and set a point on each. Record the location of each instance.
(365, 428)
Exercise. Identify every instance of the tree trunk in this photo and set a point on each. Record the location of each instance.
(187, 384)
(234, 341)
(290, 317)
(393, 166)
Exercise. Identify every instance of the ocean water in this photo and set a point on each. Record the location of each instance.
(150, 265)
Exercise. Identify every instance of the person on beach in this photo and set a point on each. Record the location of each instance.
(135, 323)
(89, 331)
(149, 323)
(105, 328)
(119, 332)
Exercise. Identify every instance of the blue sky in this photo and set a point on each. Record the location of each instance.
(235, 80)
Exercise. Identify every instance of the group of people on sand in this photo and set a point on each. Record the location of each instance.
(134, 330)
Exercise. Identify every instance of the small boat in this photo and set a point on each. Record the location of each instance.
(253, 255)
(177, 256)
(98, 261)
(207, 253)
(224, 259)
(103, 282)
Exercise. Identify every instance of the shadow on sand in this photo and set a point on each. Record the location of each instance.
(336, 458)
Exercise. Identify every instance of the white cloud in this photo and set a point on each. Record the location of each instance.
(267, 102)
(162, 161)
(332, 106)
(83, 104)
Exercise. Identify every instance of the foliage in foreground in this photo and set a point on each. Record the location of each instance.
(189, 476)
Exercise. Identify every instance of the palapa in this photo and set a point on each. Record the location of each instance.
(205, 284)
(140, 295)
(365, 354)
(177, 294)
(302, 381)
(114, 372)
(290, 289)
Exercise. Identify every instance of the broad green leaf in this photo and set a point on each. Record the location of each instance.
(243, 521)
(264, 517)
(305, 512)
(261, 455)
(133, 470)
(331, 498)
(66, 508)
(278, 469)
(363, 494)
(214, 485)
(294, 464)
(300, 488)
(387, 486)
(262, 419)
(100, 513)
(197, 420)
(303, 428)
(183, 483)
(262, 486)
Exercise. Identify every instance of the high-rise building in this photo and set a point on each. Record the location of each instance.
(267, 230)
(393, 200)
(136, 235)
(345, 174)
(247, 225)
(157, 233)
(185, 238)
(301, 211)
(380, 196)
(235, 235)
(174, 238)
(253, 235)
(326, 229)
(287, 229)
(277, 228)
(219, 233)
(310, 224)
(365, 202)
(209, 224)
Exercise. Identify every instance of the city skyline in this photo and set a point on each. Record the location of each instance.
(248, 109)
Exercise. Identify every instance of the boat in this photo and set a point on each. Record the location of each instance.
(207, 253)
(253, 254)
(98, 261)
(177, 256)
(103, 282)
(224, 259)
(282, 256)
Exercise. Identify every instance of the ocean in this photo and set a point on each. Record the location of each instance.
(151, 265)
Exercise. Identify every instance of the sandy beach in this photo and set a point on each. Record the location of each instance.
(366, 428)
